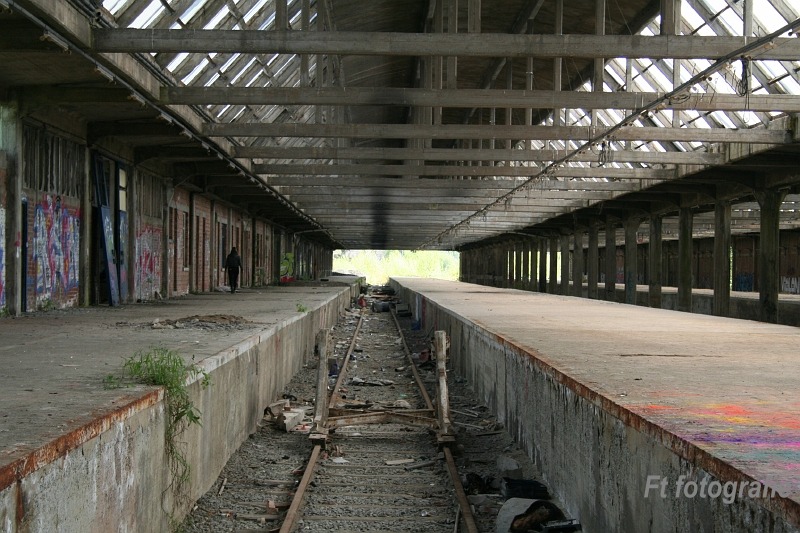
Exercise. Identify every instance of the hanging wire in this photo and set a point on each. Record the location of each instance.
(743, 86)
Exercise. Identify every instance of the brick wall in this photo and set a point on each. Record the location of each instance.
(201, 263)
(178, 244)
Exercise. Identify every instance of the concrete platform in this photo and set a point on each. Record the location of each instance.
(75, 456)
(609, 399)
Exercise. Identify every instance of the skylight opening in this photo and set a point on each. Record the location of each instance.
(189, 78)
(215, 22)
(748, 117)
(768, 17)
(177, 61)
(723, 119)
(223, 110)
(253, 79)
(243, 71)
(231, 60)
(113, 6)
(190, 13)
(253, 11)
(148, 16)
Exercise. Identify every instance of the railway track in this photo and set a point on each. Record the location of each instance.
(381, 459)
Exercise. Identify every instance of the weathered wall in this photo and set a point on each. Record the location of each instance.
(53, 245)
(111, 474)
(3, 223)
(594, 454)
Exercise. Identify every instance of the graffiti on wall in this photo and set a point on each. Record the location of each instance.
(2, 257)
(788, 284)
(56, 250)
(148, 262)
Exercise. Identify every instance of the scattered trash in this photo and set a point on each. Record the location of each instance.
(562, 526)
(401, 404)
(339, 460)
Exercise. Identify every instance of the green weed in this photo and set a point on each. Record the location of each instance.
(166, 368)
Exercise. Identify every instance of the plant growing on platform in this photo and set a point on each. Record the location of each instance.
(302, 308)
(166, 368)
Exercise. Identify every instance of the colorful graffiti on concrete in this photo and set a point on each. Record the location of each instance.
(148, 262)
(287, 267)
(2, 257)
(56, 250)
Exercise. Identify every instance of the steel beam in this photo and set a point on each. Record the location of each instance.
(469, 98)
(129, 40)
(471, 131)
(455, 154)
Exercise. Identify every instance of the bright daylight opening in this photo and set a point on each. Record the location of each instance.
(377, 266)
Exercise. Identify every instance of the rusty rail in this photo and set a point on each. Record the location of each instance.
(414, 370)
(294, 509)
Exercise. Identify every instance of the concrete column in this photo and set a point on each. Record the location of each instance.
(631, 262)
(654, 252)
(722, 258)
(542, 265)
(533, 263)
(685, 248)
(593, 259)
(497, 267)
(10, 152)
(525, 280)
(564, 264)
(519, 273)
(768, 248)
(552, 281)
(577, 263)
(503, 282)
(611, 259)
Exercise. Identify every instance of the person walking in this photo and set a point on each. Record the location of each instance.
(233, 264)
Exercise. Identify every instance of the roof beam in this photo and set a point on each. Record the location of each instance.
(470, 131)
(130, 40)
(456, 154)
(469, 98)
(454, 186)
(452, 170)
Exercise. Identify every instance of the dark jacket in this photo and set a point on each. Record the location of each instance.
(233, 262)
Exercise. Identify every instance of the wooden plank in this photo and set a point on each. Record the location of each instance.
(130, 40)
(470, 98)
(471, 131)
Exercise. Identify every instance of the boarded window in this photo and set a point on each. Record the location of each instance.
(51, 163)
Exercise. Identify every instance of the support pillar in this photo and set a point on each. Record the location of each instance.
(552, 280)
(611, 260)
(564, 264)
(542, 265)
(654, 253)
(593, 260)
(577, 263)
(504, 275)
(10, 146)
(768, 259)
(685, 252)
(533, 263)
(526, 265)
(631, 260)
(722, 258)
